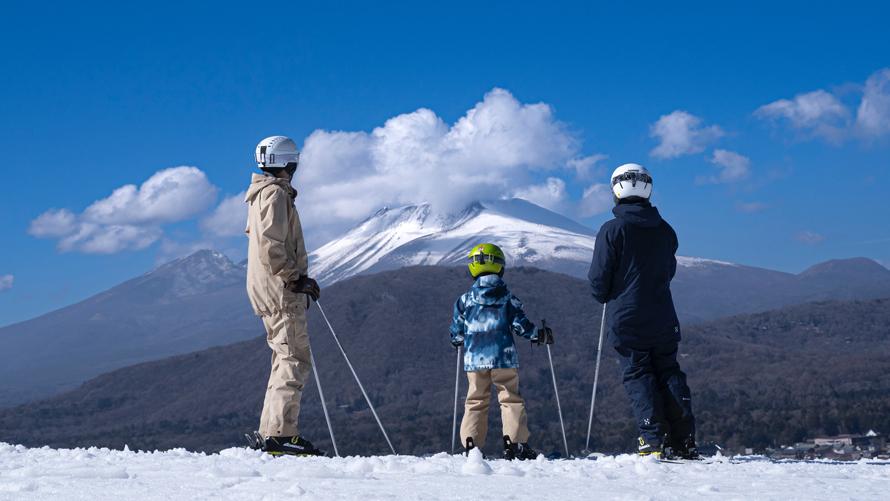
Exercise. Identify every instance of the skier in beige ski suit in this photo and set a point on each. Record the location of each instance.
(279, 290)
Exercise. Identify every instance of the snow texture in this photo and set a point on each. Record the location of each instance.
(242, 474)
(530, 235)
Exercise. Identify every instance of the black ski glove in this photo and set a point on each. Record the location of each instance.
(457, 343)
(545, 335)
(305, 285)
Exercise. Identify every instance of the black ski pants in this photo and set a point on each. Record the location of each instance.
(659, 395)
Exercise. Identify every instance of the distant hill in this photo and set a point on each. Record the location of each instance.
(757, 380)
(185, 305)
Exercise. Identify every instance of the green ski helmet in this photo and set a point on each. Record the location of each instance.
(486, 258)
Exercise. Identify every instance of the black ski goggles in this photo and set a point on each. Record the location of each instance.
(482, 258)
(633, 177)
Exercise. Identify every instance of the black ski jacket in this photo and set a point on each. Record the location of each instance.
(633, 264)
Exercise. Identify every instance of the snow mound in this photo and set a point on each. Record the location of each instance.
(242, 474)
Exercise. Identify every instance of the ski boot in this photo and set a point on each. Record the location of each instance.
(685, 449)
(290, 446)
(646, 448)
(517, 451)
(470, 445)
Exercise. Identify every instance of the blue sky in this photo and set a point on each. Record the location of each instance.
(94, 97)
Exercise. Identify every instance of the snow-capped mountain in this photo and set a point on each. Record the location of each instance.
(530, 235)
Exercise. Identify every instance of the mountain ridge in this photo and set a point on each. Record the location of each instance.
(530, 235)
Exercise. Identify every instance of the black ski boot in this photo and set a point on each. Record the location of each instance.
(685, 449)
(470, 445)
(517, 451)
(646, 448)
(290, 446)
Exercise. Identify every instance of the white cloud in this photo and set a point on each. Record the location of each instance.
(681, 133)
(53, 223)
(816, 113)
(809, 237)
(597, 199)
(109, 239)
(551, 194)
(131, 217)
(733, 167)
(873, 115)
(6, 282)
(169, 195)
(228, 219)
(586, 167)
(490, 152)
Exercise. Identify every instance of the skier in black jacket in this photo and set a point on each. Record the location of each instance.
(633, 264)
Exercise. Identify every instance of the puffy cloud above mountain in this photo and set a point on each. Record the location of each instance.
(551, 194)
(597, 199)
(499, 148)
(493, 151)
(229, 218)
(6, 282)
(131, 217)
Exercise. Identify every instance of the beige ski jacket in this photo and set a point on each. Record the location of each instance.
(276, 253)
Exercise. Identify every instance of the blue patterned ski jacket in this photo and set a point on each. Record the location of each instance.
(485, 319)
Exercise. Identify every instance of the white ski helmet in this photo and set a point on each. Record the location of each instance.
(631, 180)
(277, 152)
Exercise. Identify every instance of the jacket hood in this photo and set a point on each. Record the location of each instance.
(259, 182)
(640, 214)
(489, 289)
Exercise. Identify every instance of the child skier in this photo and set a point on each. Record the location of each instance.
(633, 264)
(485, 319)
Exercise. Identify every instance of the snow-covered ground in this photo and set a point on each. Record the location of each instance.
(241, 474)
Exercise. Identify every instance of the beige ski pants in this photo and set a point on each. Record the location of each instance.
(475, 422)
(288, 337)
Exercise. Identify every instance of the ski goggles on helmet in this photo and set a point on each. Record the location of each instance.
(278, 160)
(633, 177)
(483, 258)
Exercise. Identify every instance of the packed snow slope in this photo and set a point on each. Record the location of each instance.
(416, 235)
(241, 474)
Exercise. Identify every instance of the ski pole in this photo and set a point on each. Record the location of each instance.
(562, 425)
(324, 406)
(357, 380)
(456, 389)
(596, 376)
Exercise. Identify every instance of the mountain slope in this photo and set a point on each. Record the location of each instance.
(758, 379)
(189, 304)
